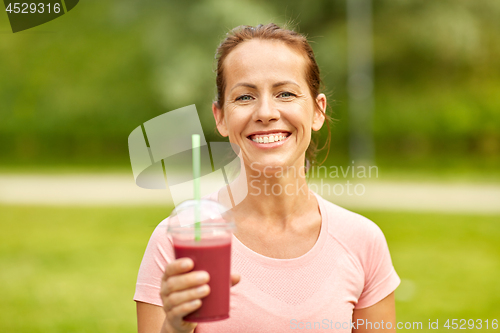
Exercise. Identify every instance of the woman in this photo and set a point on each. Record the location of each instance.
(305, 263)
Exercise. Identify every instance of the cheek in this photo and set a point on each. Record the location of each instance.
(302, 120)
(235, 123)
(307, 136)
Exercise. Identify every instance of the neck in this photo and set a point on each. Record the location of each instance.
(275, 195)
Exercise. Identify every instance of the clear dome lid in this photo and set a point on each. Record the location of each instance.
(211, 215)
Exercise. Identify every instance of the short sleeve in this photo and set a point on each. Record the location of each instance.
(158, 254)
(380, 277)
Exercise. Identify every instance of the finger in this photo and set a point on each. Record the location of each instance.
(176, 314)
(235, 278)
(183, 282)
(185, 296)
(178, 266)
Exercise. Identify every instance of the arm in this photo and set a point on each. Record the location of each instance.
(150, 318)
(383, 311)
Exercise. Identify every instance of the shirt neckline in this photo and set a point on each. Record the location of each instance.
(292, 262)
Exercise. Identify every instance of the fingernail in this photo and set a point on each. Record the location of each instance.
(202, 290)
(196, 302)
(185, 264)
(202, 276)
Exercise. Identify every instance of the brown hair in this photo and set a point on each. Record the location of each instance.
(291, 38)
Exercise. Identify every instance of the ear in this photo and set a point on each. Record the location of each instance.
(319, 113)
(220, 122)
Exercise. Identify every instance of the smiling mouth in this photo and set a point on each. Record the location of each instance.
(269, 138)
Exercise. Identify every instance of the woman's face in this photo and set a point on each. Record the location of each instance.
(268, 109)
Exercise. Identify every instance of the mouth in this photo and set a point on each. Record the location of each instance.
(270, 137)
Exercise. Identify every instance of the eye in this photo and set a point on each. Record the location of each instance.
(286, 94)
(244, 98)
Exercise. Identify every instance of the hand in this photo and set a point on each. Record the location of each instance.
(181, 291)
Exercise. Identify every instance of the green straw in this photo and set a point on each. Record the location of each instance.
(196, 182)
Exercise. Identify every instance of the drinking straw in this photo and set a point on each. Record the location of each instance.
(195, 139)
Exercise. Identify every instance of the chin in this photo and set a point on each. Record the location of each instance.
(271, 167)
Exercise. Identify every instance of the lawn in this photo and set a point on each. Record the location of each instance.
(449, 265)
(74, 269)
(71, 269)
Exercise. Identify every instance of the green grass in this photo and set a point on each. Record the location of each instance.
(74, 269)
(449, 264)
(71, 269)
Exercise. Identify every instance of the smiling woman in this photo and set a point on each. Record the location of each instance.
(268, 96)
(299, 257)
(305, 62)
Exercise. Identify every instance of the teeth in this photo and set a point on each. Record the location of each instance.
(269, 139)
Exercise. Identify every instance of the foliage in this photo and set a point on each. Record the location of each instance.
(74, 88)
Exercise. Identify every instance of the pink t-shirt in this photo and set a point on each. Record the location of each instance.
(348, 268)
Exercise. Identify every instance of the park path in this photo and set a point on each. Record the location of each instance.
(120, 190)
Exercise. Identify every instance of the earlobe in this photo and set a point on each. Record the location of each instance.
(219, 119)
(319, 113)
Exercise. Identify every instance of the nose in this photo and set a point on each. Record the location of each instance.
(266, 111)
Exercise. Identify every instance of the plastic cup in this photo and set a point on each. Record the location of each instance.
(210, 253)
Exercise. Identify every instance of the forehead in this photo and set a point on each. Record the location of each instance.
(264, 60)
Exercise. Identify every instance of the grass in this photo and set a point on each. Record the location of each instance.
(74, 269)
(71, 269)
(449, 265)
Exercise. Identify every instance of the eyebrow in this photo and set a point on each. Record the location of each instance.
(282, 83)
(253, 86)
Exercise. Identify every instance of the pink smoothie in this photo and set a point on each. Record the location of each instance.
(214, 257)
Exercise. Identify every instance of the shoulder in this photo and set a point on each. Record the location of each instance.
(162, 227)
(360, 237)
(160, 238)
(365, 243)
(347, 225)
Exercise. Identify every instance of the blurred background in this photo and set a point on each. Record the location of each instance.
(74, 226)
